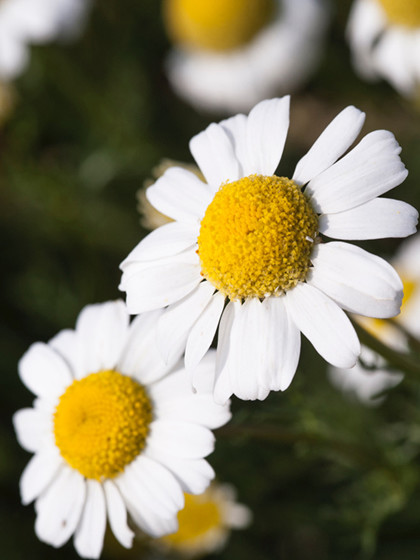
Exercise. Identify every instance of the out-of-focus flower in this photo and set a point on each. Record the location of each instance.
(29, 22)
(230, 55)
(370, 376)
(206, 521)
(250, 238)
(384, 37)
(111, 432)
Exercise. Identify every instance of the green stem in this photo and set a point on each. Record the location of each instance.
(398, 360)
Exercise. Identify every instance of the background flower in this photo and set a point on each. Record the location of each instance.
(110, 433)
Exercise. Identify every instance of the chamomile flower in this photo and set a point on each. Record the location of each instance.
(230, 55)
(384, 37)
(370, 376)
(251, 240)
(206, 521)
(28, 22)
(111, 432)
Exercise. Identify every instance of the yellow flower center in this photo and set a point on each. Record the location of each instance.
(200, 515)
(217, 25)
(256, 237)
(402, 12)
(101, 423)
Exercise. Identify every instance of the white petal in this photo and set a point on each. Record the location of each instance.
(235, 128)
(283, 345)
(203, 331)
(180, 195)
(103, 330)
(214, 154)
(357, 280)
(33, 428)
(378, 218)
(44, 372)
(60, 507)
(193, 475)
(167, 240)
(325, 325)
(39, 473)
(89, 537)
(267, 127)
(66, 344)
(247, 352)
(176, 322)
(117, 514)
(222, 386)
(331, 144)
(372, 168)
(141, 358)
(181, 439)
(161, 285)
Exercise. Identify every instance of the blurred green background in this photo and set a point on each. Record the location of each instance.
(326, 478)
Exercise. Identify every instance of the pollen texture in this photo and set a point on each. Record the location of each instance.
(216, 25)
(256, 237)
(101, 423)
(402, 12)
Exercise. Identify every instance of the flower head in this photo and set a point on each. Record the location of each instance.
(230, 55)
(384, 37)
(206, 521)
(255, 241)
(111, 432)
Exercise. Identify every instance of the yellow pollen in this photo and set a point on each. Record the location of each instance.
(101, 423)
(200, 515)
(402, 12)
(256, 237)
(216, 25)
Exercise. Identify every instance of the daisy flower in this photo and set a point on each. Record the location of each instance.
(230, 55)
(251, 239)
(26, 22)
(111, 432)
(384, 37)
(206, 521)
(366, 382)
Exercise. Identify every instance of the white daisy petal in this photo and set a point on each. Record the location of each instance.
(33, 428)
(180, 195)
(66, 344)
(357, 280)
(159, 286)
(39, 473)
(331, 144)
(222, 385)
(89, 537)
(44, 372)
(267, 127)
(176, 322)
(378, 218)
(60, 507)
(181, 439)
(117, 514)
(169, 239)
(215, 156)
(203, 331)
(325, 325)
(283, 345)
(235, 128)
(103, 329)
(193, 475)
(372, 168)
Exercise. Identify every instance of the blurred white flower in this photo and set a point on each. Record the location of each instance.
(230, 55)
(111, 432)
(384, 37)
(206, 521)
(29, 22)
